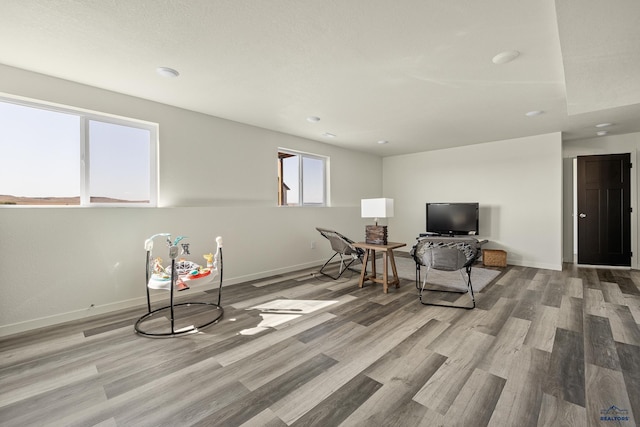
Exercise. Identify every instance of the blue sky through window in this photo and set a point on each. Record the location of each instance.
(41, 153)
(313, 179)
(119, 161)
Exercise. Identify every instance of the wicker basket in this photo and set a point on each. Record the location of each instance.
(494, 258)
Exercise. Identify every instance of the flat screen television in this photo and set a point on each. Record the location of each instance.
(453, 219)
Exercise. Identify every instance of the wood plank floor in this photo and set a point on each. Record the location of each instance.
(542, 348)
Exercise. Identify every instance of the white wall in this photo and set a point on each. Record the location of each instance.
(518, 183)
(613, 144)
(217, 177)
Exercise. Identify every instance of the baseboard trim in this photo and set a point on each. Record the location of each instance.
(96, 310)
(608, 267)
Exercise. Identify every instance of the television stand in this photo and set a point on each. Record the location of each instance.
(452, 236)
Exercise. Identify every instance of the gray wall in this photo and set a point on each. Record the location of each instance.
(517, 182)
(217, 177)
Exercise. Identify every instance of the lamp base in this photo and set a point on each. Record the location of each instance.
(376, 234)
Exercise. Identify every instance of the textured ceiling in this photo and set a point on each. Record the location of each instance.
(417, 73)
(600, 52)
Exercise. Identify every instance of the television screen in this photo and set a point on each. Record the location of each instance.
(453, 218)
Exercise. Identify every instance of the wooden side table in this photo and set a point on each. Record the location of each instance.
(387, 257)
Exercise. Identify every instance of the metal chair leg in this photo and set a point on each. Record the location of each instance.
(325, 264)
(469, 289)
(343, 267)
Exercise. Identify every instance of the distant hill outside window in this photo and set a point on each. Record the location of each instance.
(60, 156)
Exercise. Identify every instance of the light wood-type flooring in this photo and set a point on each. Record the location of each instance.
(542, 348)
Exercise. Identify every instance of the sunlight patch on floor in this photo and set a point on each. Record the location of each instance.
(280, 311)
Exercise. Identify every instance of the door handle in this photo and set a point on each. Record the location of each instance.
(582, 215)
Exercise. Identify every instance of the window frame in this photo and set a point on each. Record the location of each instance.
(325, 177)
(85, 117)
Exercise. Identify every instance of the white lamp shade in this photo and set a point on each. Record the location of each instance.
(376, 208)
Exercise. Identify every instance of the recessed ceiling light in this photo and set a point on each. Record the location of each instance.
(534, 113)
(167, 72)
(603, 125)
(313, 119)
(602, 132)
(506, 56)
(328, 135)
(383, 141)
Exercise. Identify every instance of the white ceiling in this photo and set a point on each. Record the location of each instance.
(417, 73)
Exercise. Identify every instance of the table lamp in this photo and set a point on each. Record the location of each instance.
(376, 208)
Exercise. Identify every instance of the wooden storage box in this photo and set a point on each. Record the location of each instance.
(494, 258)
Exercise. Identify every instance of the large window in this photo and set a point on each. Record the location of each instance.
(301, 179)
(59, 156)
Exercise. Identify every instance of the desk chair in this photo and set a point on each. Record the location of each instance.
(343, 246)
(447, 254)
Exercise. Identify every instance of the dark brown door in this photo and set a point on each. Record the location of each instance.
(604, 210)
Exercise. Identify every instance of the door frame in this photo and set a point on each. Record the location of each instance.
(572, 213)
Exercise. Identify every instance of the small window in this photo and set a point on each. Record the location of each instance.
(301, 179)
(60, 156)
